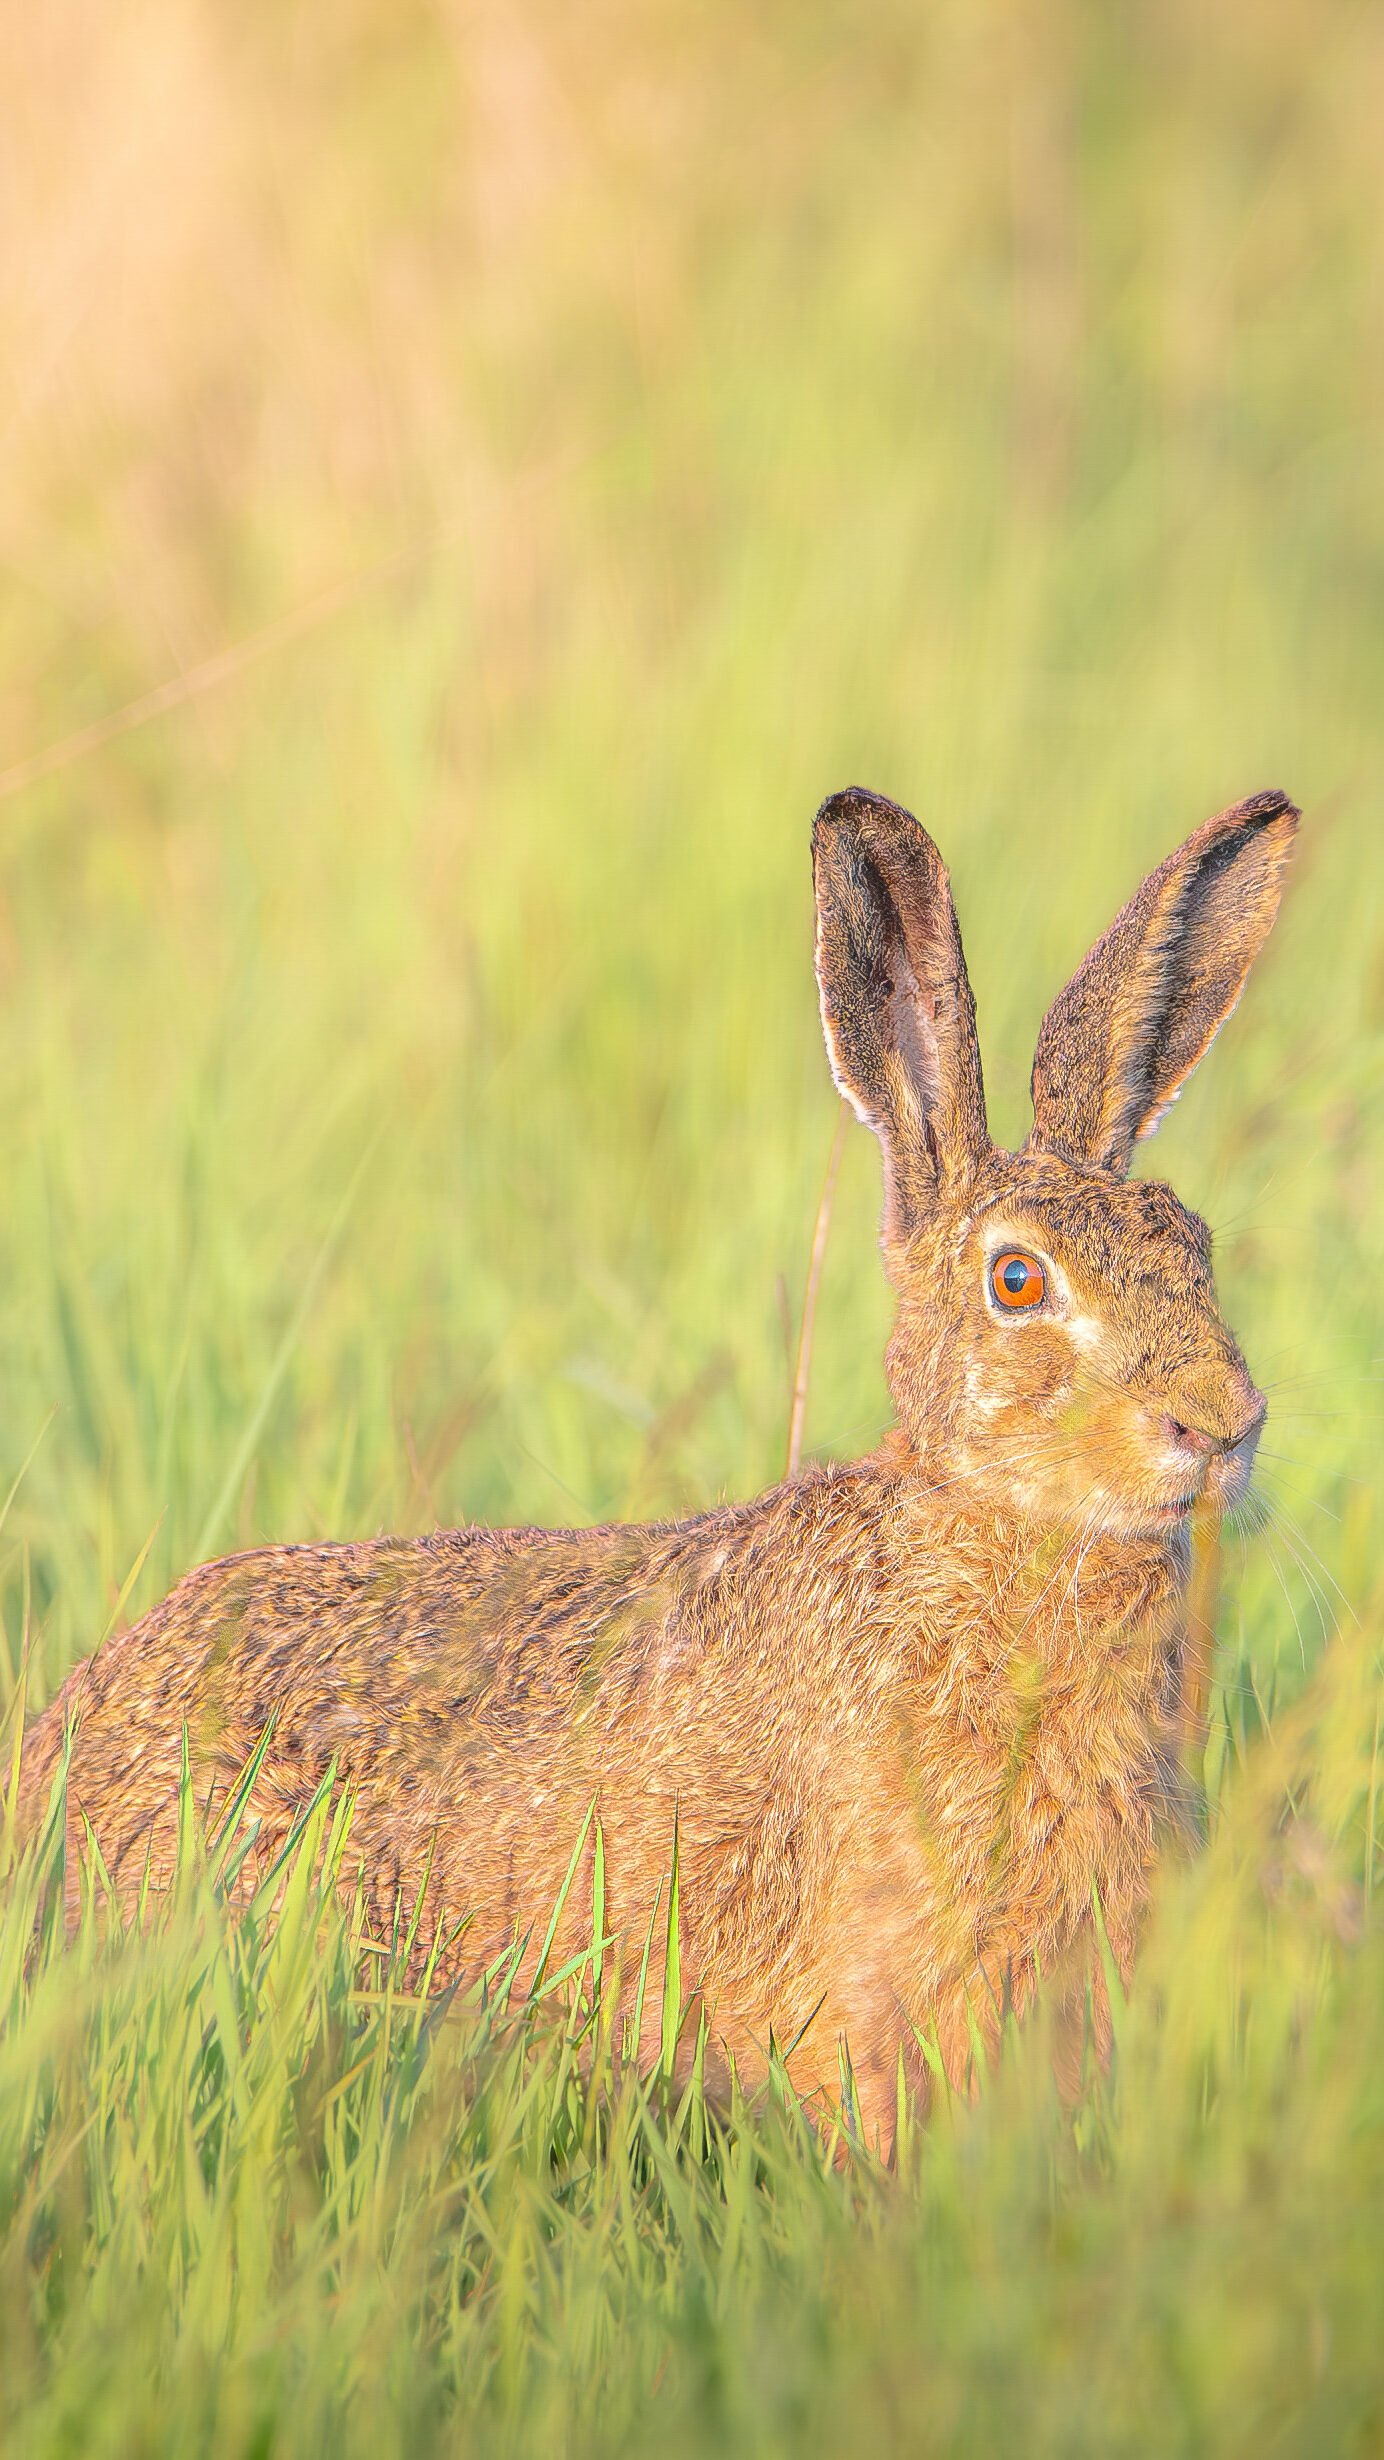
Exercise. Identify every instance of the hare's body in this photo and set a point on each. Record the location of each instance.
(789, 1676)
(913, 1715)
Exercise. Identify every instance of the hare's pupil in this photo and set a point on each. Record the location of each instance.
(1015, 1277)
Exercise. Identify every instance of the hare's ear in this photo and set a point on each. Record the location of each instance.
(1121, 1041)
(897, 1010)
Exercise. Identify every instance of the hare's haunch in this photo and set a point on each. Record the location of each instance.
(911, 1712)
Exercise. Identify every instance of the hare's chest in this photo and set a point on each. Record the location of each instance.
(1048, 1781)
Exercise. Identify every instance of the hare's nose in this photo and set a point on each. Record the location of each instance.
(1202, 1439)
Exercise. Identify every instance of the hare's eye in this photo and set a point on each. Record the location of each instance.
(1017, 1281)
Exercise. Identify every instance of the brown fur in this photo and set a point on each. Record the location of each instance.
(909, 1712)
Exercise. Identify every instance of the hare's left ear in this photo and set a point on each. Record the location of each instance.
(1120, 1042)
(897, 1011)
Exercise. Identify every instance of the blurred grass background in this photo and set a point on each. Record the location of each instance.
(474, 477)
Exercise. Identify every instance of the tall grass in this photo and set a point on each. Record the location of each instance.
(474, 478)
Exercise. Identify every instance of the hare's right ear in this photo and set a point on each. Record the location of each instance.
(1120, 1042)
(897, 1011)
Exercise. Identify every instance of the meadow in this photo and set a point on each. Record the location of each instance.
(475, 476)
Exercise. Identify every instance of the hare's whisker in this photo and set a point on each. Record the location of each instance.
(1277, 1476)
(1328, 1621)
(1287, 1593)
(1323, 1569)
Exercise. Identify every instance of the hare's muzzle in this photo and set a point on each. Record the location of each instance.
(1211, 1444)
(1217, 1445)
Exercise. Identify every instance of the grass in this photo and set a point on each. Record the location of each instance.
(594, 436)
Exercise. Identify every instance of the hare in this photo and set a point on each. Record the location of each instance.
(913, 1713)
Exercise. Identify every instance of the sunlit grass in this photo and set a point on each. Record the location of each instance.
(255, 2189)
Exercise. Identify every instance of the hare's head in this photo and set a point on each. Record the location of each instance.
(1059, 1347)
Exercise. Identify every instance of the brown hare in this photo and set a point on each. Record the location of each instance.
(914, 1714)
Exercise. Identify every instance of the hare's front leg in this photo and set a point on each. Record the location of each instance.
(860, 2053)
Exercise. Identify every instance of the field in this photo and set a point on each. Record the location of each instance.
(475, 477)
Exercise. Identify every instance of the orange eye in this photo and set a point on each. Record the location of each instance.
(1017, 1281)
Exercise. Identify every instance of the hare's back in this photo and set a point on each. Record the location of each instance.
(409, 1663)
